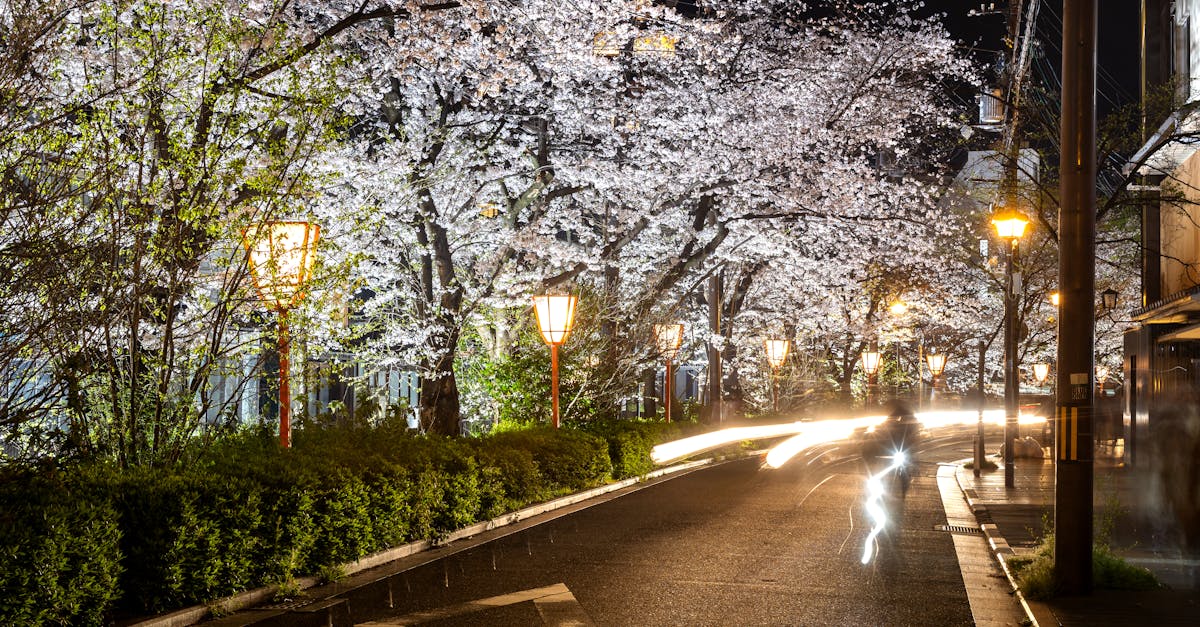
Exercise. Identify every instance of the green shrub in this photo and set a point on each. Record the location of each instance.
(245, 513)
(59, 553)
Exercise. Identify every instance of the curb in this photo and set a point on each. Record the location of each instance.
(1039, 614)
(243, 600)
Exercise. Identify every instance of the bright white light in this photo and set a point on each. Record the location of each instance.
(815, 433)
(670, 451)
(809, 434)
(875, 504)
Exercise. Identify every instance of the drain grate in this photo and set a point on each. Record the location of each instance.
(958, 529)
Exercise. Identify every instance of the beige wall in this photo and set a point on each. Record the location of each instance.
(1181, 227)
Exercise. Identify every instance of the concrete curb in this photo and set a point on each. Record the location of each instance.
(1039, 614)
(196, 613)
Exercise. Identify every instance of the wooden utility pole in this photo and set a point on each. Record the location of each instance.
(1077, 285)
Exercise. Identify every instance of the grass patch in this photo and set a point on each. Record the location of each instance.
(1035, 573)
(986, 465)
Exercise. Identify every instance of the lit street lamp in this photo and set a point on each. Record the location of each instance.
(1108, 299)
(1041, 371)
(870, 363)
(281, 258)
(667, 338)
(555, 317)
(937, 365)
(777, 351)
(1010, 226)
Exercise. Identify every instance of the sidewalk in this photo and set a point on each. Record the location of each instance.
(1013, 520)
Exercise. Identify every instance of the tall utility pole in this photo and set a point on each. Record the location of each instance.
(1077, 285)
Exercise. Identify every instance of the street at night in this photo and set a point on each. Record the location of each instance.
(734, 543)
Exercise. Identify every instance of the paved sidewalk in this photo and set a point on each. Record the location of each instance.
(1014, 520)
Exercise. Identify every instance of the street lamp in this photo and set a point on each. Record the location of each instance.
(777, 351)
(280, 256)
(1010, 226)
(555, 317)
(870, 363)
(1108, 299)
(1055, 299)
(937, 365)
(667, 338)
(1041, 371)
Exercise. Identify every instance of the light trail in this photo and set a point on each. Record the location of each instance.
(874, 505)
(671, 451)
(805, 435)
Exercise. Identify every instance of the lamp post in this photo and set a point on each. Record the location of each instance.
(667, 338)
(937, 365)
(870, 364)
(1108, 299)
(1010, 225)
(280, 256)
(777, 351)
(1041, 371)
(555, 317)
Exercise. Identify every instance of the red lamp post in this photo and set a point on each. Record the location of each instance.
(555, 317)
(777, 351)
(280, 256)
(667, 339)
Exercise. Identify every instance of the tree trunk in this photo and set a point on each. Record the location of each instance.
(439, 408)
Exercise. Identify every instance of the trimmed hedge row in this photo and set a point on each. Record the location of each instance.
(83, 543)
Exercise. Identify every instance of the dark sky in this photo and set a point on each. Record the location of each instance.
(1117, 74)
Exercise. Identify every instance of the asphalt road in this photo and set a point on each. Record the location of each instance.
(733, 544)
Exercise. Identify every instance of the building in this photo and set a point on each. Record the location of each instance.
(1162, 349)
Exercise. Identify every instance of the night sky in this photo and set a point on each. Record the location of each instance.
(1117, 74)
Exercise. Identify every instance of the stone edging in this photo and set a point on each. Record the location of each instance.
(196, 613)
(1039, 613)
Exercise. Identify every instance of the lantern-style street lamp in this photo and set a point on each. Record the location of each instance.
(777, 351)
(281, 257)
(1108, 299)
(870, 362)
(555, 317)
(1010, 226)
(667, 339)
(937, 365)
(1041, 371)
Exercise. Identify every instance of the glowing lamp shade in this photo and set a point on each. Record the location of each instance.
(777, 351)
(605, 44)
(898, 308)
(281, 258)
(667, 339)
(657, 44)
(1055, 299)
(1010, 225)
(1108, 299)
(936, 363)
(555, 316)
(870, 362)
(1040, 372)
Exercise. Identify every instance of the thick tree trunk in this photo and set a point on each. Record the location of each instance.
(439, 408)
